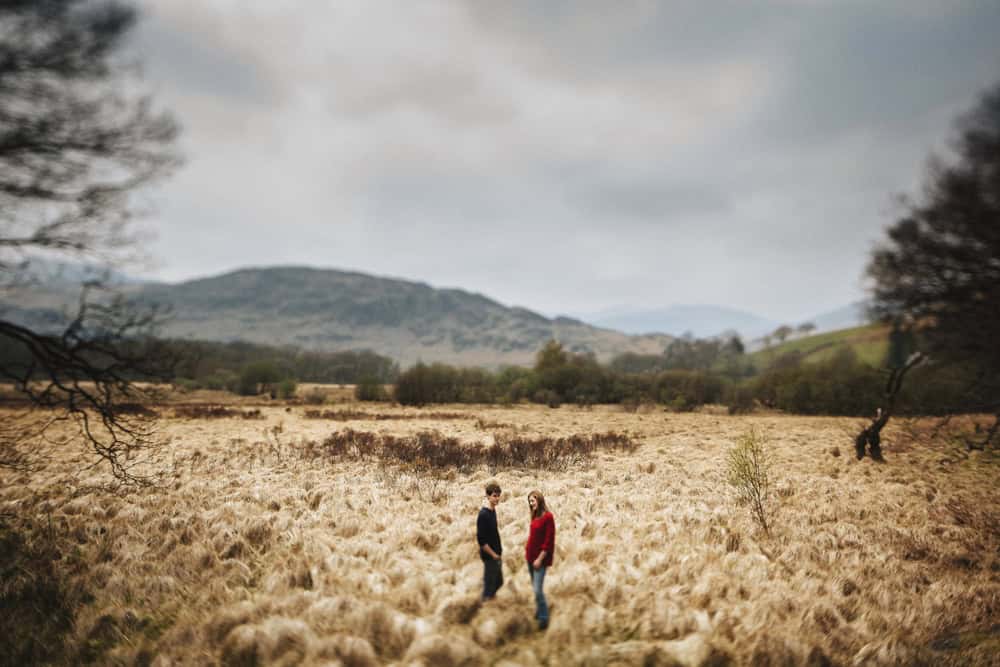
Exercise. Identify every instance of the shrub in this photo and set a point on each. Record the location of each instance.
(739, 399)
(370, 389)
(257, 378)
(423, 384)
(221, 380)
(315, 397)
(547, 397)
(748, 468)
(286, 388)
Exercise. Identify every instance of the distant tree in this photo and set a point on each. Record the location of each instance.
(782, 332)
(694, 354)
(286, 388)
(75, 143)
(805, 328)
(435, 383)
(370, 389)
(259, 377)
(632, 362)
(551, 356)
(938, 274)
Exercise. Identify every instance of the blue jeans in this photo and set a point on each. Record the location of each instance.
(541, 606)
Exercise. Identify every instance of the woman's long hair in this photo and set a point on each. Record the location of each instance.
(540, 508)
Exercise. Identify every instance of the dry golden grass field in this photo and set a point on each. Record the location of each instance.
(261, 545)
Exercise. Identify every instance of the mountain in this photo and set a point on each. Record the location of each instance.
(65, 274)
(337, 310)
(700, 320)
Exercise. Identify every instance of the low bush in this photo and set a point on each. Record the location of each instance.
(286, 388)
(257, 378)
(370, 389)
(314, 397)
(547, 397)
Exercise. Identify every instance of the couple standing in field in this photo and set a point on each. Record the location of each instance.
(538, 550)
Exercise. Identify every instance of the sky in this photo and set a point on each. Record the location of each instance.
(570, 157)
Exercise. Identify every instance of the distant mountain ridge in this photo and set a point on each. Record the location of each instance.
(706, 321)
(701, 321)
(852, 315)
(340, 310)
(408, 321)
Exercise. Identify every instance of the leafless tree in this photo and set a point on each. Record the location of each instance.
(872, 433)
(75, 144)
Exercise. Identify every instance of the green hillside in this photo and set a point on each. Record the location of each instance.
(870, 343)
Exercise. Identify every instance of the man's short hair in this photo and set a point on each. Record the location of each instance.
(492, 488)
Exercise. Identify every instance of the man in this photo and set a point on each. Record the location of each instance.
(488, 537)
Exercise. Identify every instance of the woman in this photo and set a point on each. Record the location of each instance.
(538, 551)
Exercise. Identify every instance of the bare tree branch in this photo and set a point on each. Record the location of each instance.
(75, 144)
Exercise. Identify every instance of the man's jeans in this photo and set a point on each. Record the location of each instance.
(541, 606)
(492, 578)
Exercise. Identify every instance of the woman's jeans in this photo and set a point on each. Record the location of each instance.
(541, 606)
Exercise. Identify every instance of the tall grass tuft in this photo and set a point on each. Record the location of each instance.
(37, 599)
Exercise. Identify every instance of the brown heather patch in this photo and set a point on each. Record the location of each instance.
(197, 411)
(249, 552)
(491, 425)
(348, 414)
(432, 450)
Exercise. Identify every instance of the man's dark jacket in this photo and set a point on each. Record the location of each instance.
(488, 533)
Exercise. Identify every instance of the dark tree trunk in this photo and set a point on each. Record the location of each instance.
(871, 434)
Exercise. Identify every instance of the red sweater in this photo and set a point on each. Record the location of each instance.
(541, 537)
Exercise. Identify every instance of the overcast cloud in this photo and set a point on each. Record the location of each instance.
(565, 156)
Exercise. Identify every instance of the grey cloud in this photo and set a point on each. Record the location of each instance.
(195, 60)
(449, 92)
(880, 70)
(652, 201)
(568, 155)
(596, 39)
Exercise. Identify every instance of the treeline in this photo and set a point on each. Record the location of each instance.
(561, 377)
(245, 368)
(689, 374)
(249, 368)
